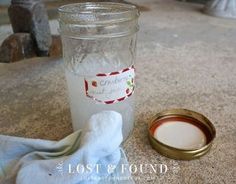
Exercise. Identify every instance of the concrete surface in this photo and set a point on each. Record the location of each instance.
(185, 60)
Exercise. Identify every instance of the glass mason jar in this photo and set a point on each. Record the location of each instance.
(99, 48)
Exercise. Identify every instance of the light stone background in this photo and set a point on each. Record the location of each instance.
(185, 59)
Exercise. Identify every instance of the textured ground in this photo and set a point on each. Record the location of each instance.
(185, 60)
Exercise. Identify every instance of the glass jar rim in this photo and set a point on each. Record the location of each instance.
(100, 10)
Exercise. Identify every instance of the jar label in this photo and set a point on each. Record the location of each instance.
(111, 87)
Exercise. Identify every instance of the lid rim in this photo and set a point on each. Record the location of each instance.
(181, 155)
(178, 153)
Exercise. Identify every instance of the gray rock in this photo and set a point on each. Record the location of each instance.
(221, 8)
(16, 47)
(19, 46)
(30, 16)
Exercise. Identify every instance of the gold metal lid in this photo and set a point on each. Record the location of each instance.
(181, 115)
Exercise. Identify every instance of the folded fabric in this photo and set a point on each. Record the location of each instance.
(90, 156)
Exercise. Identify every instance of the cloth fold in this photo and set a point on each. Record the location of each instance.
(90, 156)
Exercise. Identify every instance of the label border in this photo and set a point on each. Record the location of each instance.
(109, 74)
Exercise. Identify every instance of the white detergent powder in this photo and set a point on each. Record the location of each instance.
(83, 107)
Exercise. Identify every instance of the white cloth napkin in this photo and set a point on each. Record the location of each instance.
(90, 156)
